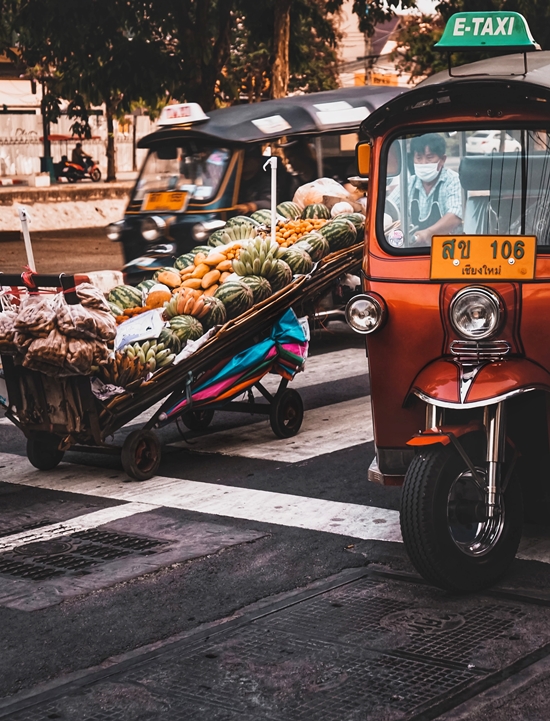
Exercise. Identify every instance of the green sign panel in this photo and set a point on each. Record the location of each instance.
(486, 30)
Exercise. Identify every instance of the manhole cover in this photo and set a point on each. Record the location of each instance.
(75, 554)
(43, 548)
(422, 620)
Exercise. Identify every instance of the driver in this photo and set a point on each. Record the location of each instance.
(434, 193)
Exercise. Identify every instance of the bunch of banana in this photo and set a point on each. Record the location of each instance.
(238, 232)
(121, 369)
(186, 301)
(256, 258)
(151, 354)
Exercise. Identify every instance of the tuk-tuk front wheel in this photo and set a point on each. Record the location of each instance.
(447, 534)
(43, 451)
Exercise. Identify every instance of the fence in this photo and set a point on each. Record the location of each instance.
(21, 143)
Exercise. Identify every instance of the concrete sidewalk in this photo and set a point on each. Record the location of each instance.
(64, 205)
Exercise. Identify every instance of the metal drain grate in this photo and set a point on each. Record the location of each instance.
(74, 554)
(7, 531)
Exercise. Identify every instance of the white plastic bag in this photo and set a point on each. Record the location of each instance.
(315, 191)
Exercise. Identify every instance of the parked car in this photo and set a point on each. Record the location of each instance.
(488, 141)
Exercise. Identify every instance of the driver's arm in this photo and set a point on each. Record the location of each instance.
(450, 221)
(444, 226)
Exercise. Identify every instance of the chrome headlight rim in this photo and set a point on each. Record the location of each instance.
(380, 312)
(153, 232)
(498, 307)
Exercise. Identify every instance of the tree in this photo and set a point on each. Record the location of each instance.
(95, 49)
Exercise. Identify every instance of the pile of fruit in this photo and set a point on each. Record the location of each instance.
(240, 266)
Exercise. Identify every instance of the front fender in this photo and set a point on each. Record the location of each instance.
(449, 384)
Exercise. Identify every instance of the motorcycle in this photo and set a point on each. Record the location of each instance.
(73, 172)
(456, 326)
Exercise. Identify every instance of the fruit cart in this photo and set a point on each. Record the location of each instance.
(58, 414)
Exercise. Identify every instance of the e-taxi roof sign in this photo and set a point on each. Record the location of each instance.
(486, 30)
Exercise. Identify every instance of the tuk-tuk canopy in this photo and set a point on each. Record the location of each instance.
(311, 114)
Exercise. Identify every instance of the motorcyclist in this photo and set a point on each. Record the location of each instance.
(80, 157)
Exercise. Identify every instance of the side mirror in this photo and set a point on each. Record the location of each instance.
(362, 154)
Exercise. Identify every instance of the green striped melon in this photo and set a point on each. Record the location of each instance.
(186, 327)
(242, 220)
(201, 249)
(339, 233)
(263, 217)
(280, 275)
(184, 261)
(115, 309)
(171, 269)
(315, 245)
(216, 238)
(260, 287)
(236, 297)
(170, 340)
(358, 220)
(146, 285)
(299, 261)
(125, 296)
(289, 210)
(217, 315)
(316, 210)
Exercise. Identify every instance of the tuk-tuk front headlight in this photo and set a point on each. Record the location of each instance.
(366, 313)
(114, 230)
(476, 313)
(202, 231)
(152, 227)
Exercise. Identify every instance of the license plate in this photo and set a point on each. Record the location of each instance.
(483, 257)
(171, 201)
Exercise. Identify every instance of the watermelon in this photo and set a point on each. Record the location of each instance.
(289, 210)
(358, 220)
(216, 315)
(263, 217)
(260, 287)
(115, 309)
(186, 327)
(170, 340)
(242, 220)
(201, 249)
(299, 261)
(316, 210)
(236, 296)
(184, 261)
(315, 245)
(339, 233)
(125, 296)
(145, 285)
(216, 238)
(280, 275)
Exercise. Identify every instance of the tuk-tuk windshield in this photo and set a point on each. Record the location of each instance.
(195, 168)
(476, 182)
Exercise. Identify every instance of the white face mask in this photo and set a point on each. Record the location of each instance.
(426, 171)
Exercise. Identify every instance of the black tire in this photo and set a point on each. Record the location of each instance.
(287, 413)
(72, 178)
(43, 451)
(442, 520)
(198, 420)
(141, 453)
(95, 175)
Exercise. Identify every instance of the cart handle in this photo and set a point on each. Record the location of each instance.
(31, 281)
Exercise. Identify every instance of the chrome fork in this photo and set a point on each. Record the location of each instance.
(495, 423)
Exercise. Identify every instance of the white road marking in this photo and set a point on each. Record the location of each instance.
(534, 549)
(74, 525)
(346, 519)
(328, 367)
(324, 430)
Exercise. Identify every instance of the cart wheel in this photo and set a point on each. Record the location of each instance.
(448, 537)
(198, 420)
(141, 455)
(287, 413)
(43, 451)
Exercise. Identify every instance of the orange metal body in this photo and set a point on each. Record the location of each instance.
(410, 354)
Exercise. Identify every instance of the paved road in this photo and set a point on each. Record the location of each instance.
(253, 578)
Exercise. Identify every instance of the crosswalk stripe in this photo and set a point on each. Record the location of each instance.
(74, 525)
(324, 430)
(346, 519)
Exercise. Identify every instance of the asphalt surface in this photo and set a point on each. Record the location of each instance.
(274, 584)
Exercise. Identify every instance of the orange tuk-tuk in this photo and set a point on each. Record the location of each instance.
(455, 308)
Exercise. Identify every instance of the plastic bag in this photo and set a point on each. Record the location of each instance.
(47, 354)
(7, 331)
(91, 297)
(77, 321)
(36, 316)
(315, 191)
